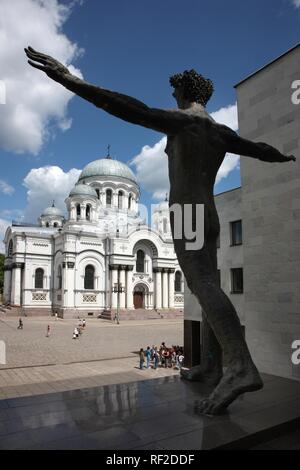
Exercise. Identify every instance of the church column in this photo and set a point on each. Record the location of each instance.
(165, 289)
(129, 292)
(123, 283)
(114, 280)
(16, 284)
(171, 287)
(73, 213)
(69, 283)
(157, 287)
(82, 211)
(7, 283)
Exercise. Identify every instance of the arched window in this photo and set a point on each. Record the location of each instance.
(108, 197)
(59, 276)
(89, 277)
(88, 212)
(10, 248)
(120, 199)
(140, 261)
(47, 224)
(165, 225)
(98, 193)
(178, 281)
(129, 201)
(78, 211)
(39, 278)
(55, 225)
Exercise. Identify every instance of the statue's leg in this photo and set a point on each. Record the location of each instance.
(211, 369)
(241, 374)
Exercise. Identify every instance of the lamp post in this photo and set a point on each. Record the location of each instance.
(118, 289)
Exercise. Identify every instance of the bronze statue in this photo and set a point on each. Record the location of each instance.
(196, 149)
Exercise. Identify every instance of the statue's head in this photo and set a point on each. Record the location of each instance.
(192, 87)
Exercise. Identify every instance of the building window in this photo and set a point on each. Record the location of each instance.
(120, 199)
(47, 224)
(236, 233)
(140, 261)
(129, 201)
(59, 275)
(55, 225)
(39, 279)
(108, 197)
(89, 277)
(10, 248)
(78, 211)
(237, 282)
(98, 193)
(88, 212)
(178, 281)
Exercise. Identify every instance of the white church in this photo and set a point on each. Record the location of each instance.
(100, 259)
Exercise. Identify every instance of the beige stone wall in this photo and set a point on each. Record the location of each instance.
(271, 216)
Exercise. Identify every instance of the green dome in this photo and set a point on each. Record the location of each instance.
(83, 190)
(54, 211)
(108, 167)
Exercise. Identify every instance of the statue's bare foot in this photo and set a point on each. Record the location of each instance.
(202, 374)
(236, 381)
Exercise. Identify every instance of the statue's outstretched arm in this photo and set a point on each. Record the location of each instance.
(264, 152)
(122, 106)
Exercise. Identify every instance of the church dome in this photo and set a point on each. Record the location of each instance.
(54, 211)
(83, 190)
(108, 167)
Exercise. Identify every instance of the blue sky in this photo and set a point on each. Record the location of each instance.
(129, 46)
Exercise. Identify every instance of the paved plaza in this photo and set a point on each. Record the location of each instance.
(104, 354)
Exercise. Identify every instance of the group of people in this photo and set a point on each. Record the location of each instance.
(79, 329)
(161, 357)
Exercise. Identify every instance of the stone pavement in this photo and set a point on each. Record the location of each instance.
(104, 354)
(159, 414)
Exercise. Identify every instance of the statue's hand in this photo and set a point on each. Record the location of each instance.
(47, 64)
(270, 154)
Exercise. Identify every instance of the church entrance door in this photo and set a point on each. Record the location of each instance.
(138, 299)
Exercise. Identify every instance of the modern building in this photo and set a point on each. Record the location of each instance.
(101, 258)
(262, 276)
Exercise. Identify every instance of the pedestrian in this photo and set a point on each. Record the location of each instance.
(148, 356)
(84, 323)
(20, 327)
(48, 331)
(76, 332)
(142, 358)
(180, 360)
(156, 358)
(56, 316)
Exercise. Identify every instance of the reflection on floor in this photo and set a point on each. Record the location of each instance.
(150, 414)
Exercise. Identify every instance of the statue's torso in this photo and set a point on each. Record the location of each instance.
(195, 155)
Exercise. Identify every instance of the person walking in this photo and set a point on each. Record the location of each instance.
(76, 333)
(56, 316)
(156, 358)
(142, 358)
(20, 327)
(48, 331)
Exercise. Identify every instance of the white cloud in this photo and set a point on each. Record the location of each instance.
(32, 99)
(46, 184)
(228, 116)
(151, 163)
(3, 226)
(6, 188)
(296, 3)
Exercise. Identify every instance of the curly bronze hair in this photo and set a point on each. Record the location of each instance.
(195, 87)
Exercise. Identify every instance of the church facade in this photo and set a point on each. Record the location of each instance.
(102, 257)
